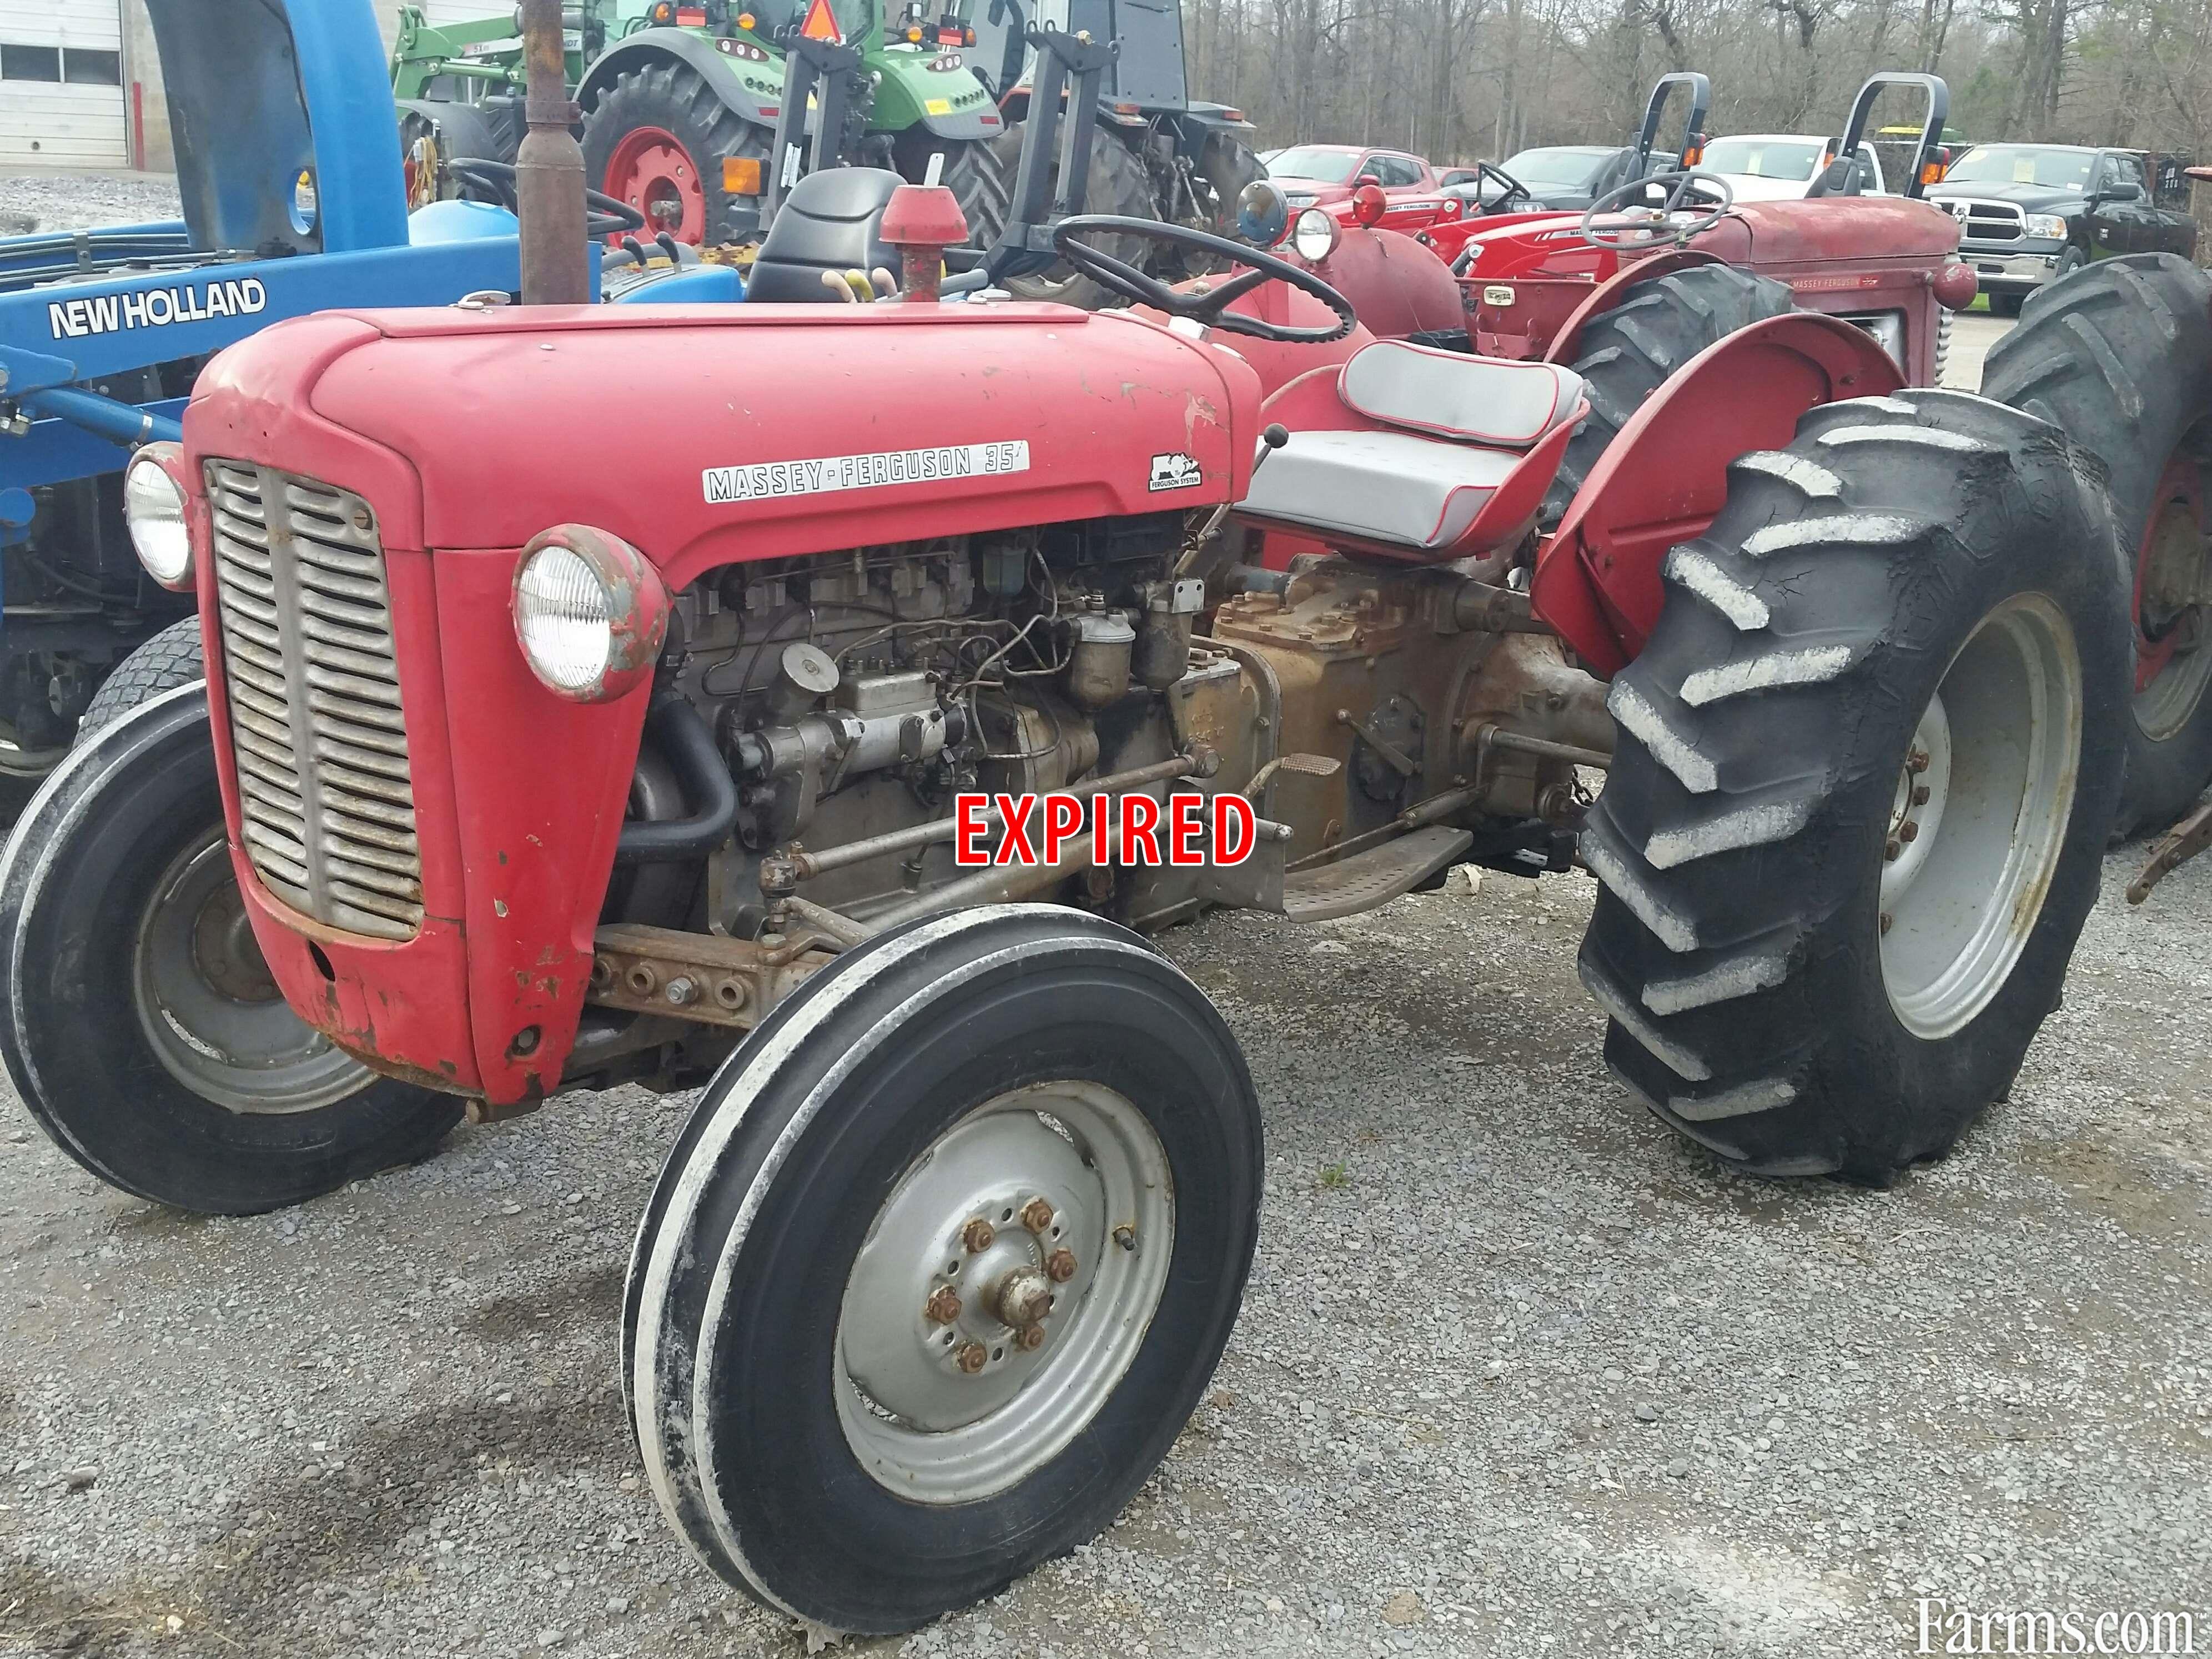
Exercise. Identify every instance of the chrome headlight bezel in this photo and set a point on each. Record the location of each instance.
(157, 510)
(1315, 234)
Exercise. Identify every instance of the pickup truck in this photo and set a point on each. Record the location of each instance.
(2029, 213)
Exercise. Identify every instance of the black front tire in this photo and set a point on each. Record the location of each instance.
(1627, 353)
(132, 813)
(2119, 356)
(1752, 839)
(169, 659)
(746, 1260)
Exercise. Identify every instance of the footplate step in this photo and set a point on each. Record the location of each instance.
(1367, 879)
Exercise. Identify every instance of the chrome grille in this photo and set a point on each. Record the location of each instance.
(1988, 221)
(327, 804)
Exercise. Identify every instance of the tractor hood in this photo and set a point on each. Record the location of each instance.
(712, 434)
(1846, 232)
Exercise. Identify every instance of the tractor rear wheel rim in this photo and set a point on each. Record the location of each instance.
(941, 1398)
(210, 1009)
(1997, 754)
(652, 172)
(2174, 586)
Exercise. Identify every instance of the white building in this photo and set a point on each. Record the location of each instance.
(80, 81)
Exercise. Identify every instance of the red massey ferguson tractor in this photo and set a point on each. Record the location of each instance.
(602, 696)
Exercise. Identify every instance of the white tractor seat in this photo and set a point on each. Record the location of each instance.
(1463, 424)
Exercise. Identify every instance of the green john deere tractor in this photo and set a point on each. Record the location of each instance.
(679, 102)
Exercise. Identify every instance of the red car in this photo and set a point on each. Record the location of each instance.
(1325, 175)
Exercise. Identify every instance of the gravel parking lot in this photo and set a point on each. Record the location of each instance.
(1518, 1374)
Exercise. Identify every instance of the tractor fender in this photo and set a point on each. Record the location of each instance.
(963, 127)
(1661, 481)
(1217, 118)
(647, 46)
(1566, 344)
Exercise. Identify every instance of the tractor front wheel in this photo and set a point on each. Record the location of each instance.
(941, 1265)
(136, 1017)
(2119, 357)
(657, 138)
(1864, 769)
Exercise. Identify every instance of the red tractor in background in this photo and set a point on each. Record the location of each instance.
(555, 754)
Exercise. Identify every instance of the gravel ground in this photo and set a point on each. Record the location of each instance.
(1519, 1372)
(78, 201)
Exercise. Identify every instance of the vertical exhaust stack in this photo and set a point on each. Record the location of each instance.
(548, 170)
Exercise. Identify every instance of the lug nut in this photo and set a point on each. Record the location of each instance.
(1125, 1237)
(1030, 1338)
(1060, 1264)
(971, 1357)
(976, 1235)
(1920, 794)
(1036, 1215)
(1917, 760)
(1886, 919)
(943, 1305)
(1894, 848)
(1908, 831)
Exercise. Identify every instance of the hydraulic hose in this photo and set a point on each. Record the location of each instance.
(708, 789)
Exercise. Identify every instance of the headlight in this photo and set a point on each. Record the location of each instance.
(1314, 236)
(1298, 199)
(2047, 224)
(590, 612)
(154, 507)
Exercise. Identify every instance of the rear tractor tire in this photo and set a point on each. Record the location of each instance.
(1865, 768)
(974, 172)
(1117, 185)
(2119, 357)
(941, 1265)
(136, 1017)
(657, 139)
(1626, 353)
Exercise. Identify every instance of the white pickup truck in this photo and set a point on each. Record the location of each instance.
(1780, 167)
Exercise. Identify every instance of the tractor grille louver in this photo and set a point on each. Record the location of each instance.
(315, 719)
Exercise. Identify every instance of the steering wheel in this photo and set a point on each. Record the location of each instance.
(1508, 187)
(1210, 306)
(1700, 199)
(609, 215)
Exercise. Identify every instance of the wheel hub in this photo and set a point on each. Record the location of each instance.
(1979, 816)
(652, 172)
(993, 1304)
(2173, 585)
(225, 952)
(209, 1007)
